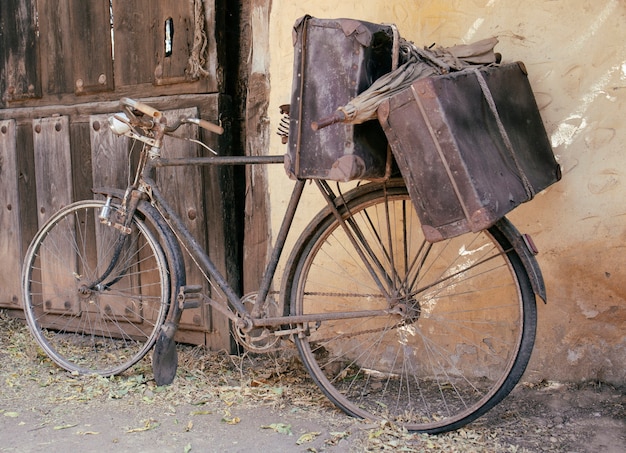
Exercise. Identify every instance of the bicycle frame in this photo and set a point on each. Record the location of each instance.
(239, 314)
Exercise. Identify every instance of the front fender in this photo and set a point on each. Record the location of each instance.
(170, 244)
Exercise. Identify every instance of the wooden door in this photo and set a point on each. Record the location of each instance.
(63, 67)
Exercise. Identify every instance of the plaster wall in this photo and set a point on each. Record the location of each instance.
(575, 53)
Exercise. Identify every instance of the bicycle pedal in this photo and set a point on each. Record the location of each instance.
(189, 296)
(191, 304)
(191, 289)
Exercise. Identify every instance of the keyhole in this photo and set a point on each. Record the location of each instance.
(169, 36)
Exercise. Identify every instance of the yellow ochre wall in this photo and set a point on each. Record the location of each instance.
(575, 53)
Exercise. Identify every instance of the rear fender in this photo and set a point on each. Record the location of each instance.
(521, 245)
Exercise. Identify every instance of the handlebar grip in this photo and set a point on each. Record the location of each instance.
(336, 117)
(143, 108)
(209, 126)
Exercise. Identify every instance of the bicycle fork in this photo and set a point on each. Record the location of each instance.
(121, 222)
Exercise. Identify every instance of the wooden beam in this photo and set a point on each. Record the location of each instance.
(208, 104)
(257, 233)
(10, 239)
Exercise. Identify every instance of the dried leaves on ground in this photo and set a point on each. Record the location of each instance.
(243, 391)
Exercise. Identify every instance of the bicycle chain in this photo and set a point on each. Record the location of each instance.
(344, 295)
(352, 334)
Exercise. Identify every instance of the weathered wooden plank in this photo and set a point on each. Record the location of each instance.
(19, 68)
(51, 142)
(92, 54)
(10, 239)
(175, 41)
(53, 169)
(134, 24)
(26, 184)
(80, 139)
(182, 186)
(56, 34)
(109, 154)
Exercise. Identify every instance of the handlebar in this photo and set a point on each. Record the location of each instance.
(140, 106)
(131, 104)
(204, 124)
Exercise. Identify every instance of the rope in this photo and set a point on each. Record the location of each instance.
(195, 64)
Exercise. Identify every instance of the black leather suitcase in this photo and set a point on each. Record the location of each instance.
(334, 61)
(470, 145)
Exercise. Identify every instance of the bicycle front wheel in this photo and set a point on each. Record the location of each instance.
(94, 296)
(456, 319)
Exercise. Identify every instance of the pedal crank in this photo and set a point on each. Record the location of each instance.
(258, 339)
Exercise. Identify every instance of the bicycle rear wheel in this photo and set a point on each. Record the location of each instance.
(460, 322)
(84, 322)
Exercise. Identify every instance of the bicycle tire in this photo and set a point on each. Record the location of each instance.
(106, 329)
(462, 318)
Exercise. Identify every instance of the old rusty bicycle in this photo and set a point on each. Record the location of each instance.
(389, 325)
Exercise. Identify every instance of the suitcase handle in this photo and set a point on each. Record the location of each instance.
(337, 117)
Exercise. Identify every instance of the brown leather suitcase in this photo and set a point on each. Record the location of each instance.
(470, 145)
(334, 61)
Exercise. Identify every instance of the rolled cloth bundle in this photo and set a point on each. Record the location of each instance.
(416, 64)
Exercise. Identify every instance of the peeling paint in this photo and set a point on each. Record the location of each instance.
(573, 356)
(478, 23)
(259, 51)
(595, 26)
(566, 132)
